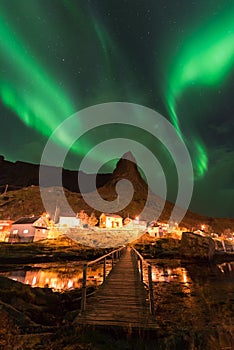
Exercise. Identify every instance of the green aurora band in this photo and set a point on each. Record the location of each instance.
(36, 96)
(44, 107)
(206, 58)
(31, 91)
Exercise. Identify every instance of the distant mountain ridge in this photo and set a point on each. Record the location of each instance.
(19, 174)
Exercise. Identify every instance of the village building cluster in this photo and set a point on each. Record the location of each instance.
(32, 229)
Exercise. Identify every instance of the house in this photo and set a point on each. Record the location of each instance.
(5, 226)
(69, 221)
(29, 229)
(110, 220)
(155, 231)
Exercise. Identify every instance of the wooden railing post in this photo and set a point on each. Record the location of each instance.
(112, 258)
(83, 297)
(104, 269)
(151, 293)
(224, 246)
(141, 270)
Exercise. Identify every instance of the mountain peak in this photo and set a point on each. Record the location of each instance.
(126, 165)
(126, 168)
(129, 156)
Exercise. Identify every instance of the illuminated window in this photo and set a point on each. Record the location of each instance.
(43, 231)
(25, 231)
(15, 232)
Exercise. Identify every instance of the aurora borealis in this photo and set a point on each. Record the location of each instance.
(206, 58)
(60, 56)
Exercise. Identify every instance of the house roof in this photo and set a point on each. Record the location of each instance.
(26, 220)
(112, 215)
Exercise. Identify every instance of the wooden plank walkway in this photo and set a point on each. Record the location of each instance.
(121, 300)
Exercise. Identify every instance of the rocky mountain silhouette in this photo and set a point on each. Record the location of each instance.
(127, 168)
(26, 200)
(17, 175)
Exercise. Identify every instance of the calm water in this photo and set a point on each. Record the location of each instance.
(58, 276)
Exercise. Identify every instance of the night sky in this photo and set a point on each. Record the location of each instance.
(176, 57)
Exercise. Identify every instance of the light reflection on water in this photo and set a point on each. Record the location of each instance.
(62, 277)
(58, 277)
(165, 274)
(169, 273)
(172, 271)
(194, 297)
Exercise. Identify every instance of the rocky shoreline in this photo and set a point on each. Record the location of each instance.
(53, 250)
(191, 247)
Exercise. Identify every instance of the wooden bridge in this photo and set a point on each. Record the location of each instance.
(122, 300)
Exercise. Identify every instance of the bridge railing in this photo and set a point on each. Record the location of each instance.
(223, 245)
(145, 278)
(113, 255)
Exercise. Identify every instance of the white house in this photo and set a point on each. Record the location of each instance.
(69, 221)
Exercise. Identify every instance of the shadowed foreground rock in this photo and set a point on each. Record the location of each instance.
(196, 246)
